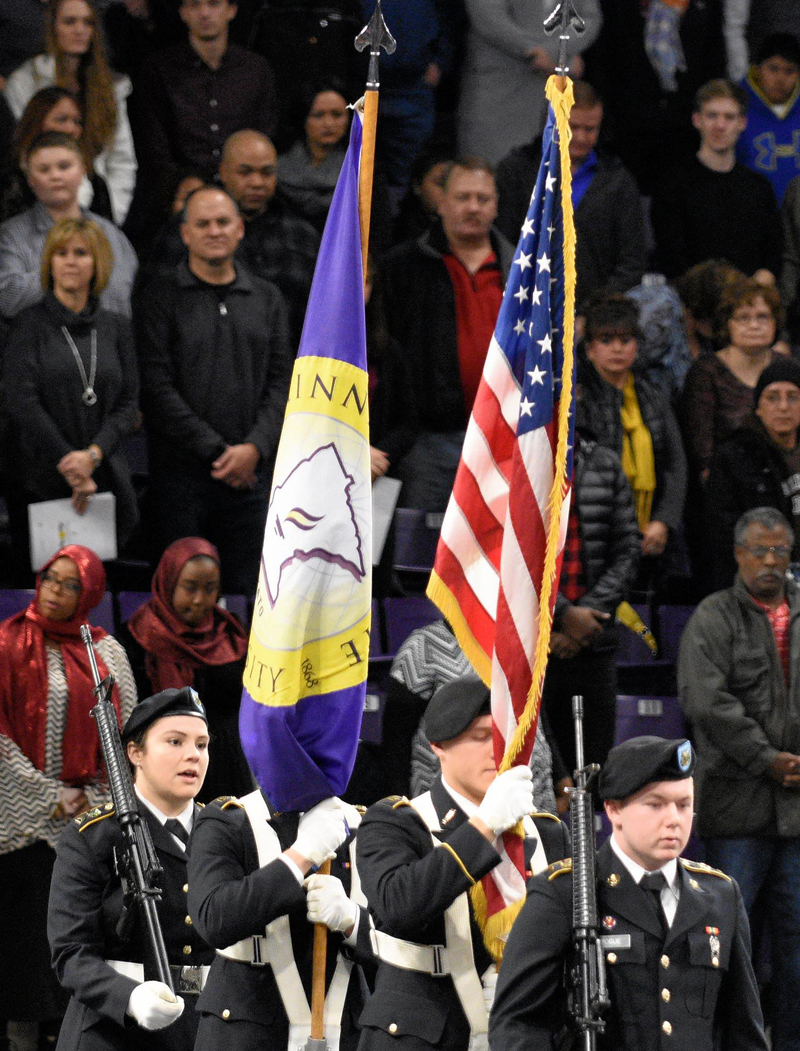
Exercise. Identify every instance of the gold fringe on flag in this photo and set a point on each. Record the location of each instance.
(561, 99)
(496, 928)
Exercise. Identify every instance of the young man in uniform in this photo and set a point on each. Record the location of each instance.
(674, 932)
(418, 861)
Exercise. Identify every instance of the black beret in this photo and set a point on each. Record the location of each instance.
(453, 707)
(782, 370)
(169, 702)
(641, 761)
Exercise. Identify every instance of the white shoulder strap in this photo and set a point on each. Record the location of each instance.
(280, 950)
(458, 939)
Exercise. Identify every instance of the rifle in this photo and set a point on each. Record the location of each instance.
(588, 989)
(138, 866)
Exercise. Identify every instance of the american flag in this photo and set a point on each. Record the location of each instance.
(498, 557)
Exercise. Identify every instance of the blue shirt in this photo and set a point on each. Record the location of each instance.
(582, 179)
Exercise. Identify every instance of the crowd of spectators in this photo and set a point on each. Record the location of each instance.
(184, 325)
(166, 168)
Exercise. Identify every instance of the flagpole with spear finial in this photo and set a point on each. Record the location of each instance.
(563, 17)
(375, 35)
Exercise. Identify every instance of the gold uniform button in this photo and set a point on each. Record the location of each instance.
(666, 1028)
(226, 1014)
(188, 921)
(665, 962)
(187, 950)
(186, 888)
(393, 1028)
(715, 961)
(611, 957)
(666, 995)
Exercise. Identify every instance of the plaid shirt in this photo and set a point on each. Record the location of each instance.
(572, 581)
(281, 247)
(779, 620)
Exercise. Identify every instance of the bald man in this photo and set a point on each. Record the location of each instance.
(278, 245)
(215, 363)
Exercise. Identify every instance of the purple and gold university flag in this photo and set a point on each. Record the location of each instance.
(306, 672)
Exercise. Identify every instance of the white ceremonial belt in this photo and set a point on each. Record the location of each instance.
(252, 950)
(186, 979)
(411, 956)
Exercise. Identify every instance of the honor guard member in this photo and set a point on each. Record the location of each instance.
(674, 932)
(418, 860)
(115, 1004)
(254, 898)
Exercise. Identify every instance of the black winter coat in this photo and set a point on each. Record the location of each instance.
(611, 253)
(421, 314)
(748, 470)
(609, 532)
(599, 408)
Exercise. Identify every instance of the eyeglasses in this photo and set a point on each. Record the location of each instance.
(56, 584)
(744, 319)
(761, 551)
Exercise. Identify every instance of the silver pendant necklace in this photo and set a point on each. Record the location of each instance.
(88, 397)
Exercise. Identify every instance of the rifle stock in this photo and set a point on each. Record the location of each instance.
(138, 866)
(588, 988)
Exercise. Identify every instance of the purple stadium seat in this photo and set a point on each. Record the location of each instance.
(659, 716)
(130, 601)
(404, 615)
(12, 602)
(416, 537)
(671, 622)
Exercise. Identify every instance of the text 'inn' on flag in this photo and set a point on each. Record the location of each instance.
(305, 678)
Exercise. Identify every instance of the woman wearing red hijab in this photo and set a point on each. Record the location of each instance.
(181, 637)
(51, 766)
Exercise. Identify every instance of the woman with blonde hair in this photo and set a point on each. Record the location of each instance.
(71, 382)
(75, 60)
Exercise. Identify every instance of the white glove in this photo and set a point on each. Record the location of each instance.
(328, 903)
(153, 1006)
(489, 980)
(508, 799)
(321, 831)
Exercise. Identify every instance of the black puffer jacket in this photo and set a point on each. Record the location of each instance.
(610, 538)
(748, 470)
(599, 410)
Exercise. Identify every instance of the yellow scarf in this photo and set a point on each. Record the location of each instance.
(638, 462)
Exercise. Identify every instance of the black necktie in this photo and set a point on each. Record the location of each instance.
(176, 828)
(653, 883)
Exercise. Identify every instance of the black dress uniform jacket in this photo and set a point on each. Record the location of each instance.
(232, 898)
(666, 994)
(409, 884)
(85, 906)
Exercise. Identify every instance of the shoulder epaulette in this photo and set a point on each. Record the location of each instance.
(558, 868)
(90, 817)
(360, 808)
(226, 801)
(546, 813)
(700, 866)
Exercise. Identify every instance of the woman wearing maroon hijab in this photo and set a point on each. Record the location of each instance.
(181, 637)
(51, 765)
